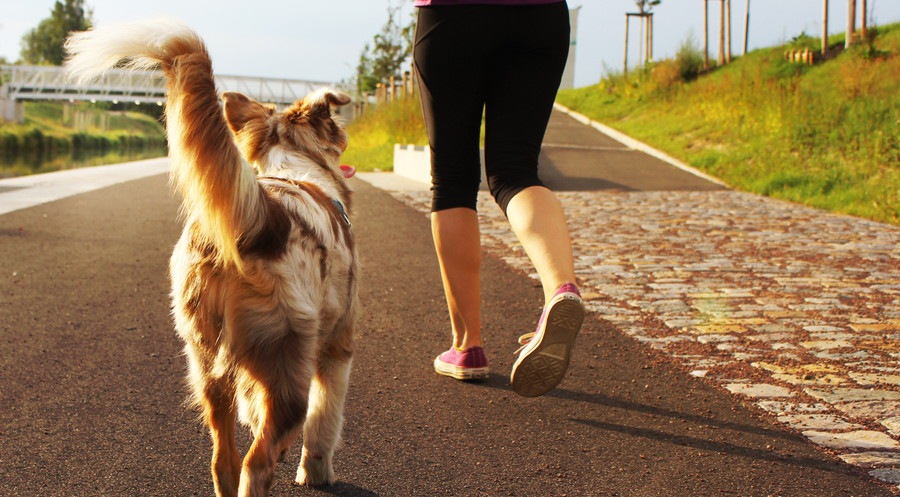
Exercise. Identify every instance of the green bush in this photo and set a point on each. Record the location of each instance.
(689, 59)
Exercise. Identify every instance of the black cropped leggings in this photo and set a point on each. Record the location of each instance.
(502, 62)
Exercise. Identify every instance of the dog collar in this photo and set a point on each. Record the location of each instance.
(340, 207)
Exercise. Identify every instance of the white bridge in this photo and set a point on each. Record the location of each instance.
(19, 83)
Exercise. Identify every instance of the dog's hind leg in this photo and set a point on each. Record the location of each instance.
(282, 377)
(322, 430)
(218, 407)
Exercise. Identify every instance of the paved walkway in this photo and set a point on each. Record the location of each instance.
(792, 309)
(793, 312)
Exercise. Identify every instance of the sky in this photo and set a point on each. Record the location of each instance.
(322, 40)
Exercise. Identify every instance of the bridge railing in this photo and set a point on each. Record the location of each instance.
(50, 83)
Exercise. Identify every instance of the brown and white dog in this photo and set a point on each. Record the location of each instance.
(264, 277)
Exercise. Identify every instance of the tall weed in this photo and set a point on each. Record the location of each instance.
(373, 135)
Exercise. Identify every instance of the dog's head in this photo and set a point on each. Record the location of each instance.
(307, 128)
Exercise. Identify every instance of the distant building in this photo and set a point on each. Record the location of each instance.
(568, 77)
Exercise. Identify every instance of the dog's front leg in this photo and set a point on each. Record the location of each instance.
(219, 414)
(215, 396)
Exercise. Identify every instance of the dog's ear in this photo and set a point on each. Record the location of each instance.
(336, 98)
(327, 99)
(241, 109)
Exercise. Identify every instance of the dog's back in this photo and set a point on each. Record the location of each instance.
(264, 276)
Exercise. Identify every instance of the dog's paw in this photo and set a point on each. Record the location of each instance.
(315, 470)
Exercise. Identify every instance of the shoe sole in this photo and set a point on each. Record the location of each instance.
(542, 367)
(460, 373)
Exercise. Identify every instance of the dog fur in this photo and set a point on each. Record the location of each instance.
(264, 277)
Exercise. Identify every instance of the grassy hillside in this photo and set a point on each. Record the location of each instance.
(824, 135)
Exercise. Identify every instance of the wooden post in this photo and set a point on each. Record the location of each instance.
(625, 64)
(747, 25)
(650, 42)
(862, 20)
(851, 22)
(706, 35)
(403, 85)
(728, 31)
(641, 37)
(721, 57)
(824, 27)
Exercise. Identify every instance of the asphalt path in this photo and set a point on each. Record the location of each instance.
(93, 392)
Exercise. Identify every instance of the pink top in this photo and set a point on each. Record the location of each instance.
(426, 3)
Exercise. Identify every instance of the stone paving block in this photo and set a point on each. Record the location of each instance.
(781, 407)
(784, 314)
(875, 327)
(886, 475)
(818, 422)
(842, 395)
(872, 459)
(831, 335)
(811, 380)
(717, 329)
(876, 378)
(759, 390)
(856, 440)
(843, 356)
(893, 425)
(807, 372)
(870, 410)
(783, 346)
(682, 323)
(884, 345)
(770, 337)
(827, 344)
(716, 338)
(745, 356)
(774, 328)
(820, 328)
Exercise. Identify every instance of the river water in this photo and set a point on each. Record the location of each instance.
(45, 163)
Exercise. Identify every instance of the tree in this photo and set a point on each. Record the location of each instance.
(645, 6)
(388, 53)
(44, 44)
(645, 14)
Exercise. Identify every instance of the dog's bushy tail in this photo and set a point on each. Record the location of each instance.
(219, 189)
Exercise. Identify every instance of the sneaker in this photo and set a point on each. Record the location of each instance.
(469, 364)
(544, 355)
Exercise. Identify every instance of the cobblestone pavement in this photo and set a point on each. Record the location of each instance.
(792, 309)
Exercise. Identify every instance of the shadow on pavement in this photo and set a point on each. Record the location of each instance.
(344, 489)
(718, 446)
(501, 382)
